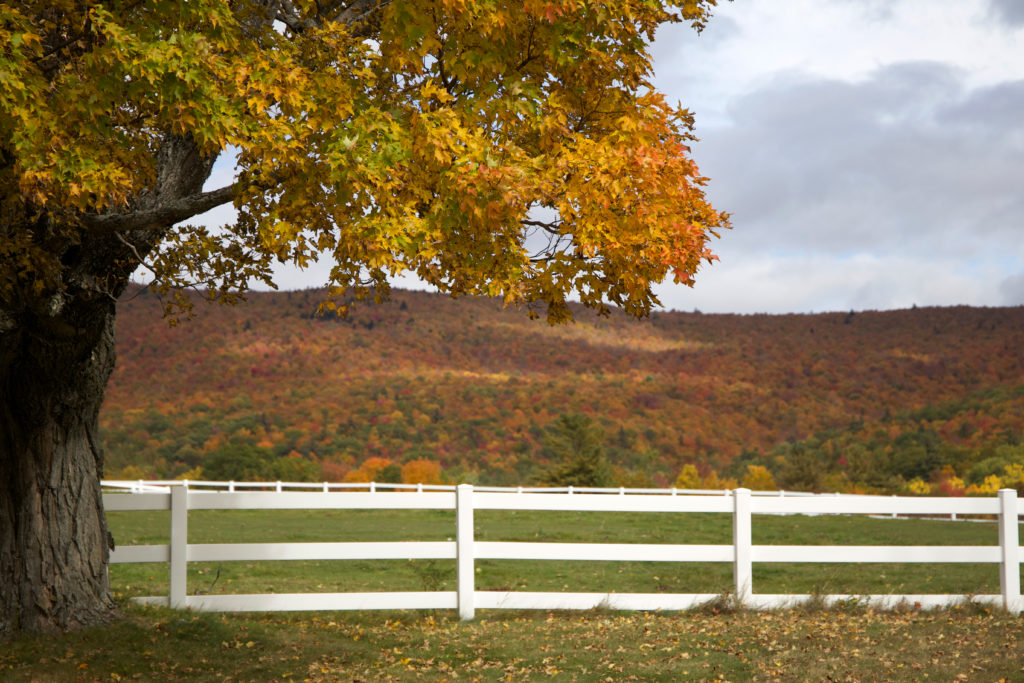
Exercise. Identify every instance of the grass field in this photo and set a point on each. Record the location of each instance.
(215, 526)
(717, 642)
(157, 644)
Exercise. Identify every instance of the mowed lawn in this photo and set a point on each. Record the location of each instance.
(718, 642)
(253, 526)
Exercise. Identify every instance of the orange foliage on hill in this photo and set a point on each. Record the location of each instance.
(421, 471)
(869, 400)
(373, 469)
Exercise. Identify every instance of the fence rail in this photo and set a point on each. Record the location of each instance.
(742, 504)
(165, 485)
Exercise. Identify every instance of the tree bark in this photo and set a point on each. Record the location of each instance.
(56, 355)
(54, 543)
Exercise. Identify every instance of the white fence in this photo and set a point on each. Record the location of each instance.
(165, 485)
(464, 499)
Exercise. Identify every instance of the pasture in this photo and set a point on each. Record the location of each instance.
(253, 526)
(717, 642)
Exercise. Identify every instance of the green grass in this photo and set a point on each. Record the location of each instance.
(847, 642)
(247, 526)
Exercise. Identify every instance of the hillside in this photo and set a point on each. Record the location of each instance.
(863, 401)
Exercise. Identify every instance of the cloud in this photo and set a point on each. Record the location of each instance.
(995, 109)
(873, 10)
(808, 283)
(899, 188)
(907, 161)
(1009, 11)
(1012, 290)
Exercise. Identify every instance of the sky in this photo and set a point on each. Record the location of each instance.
(870, 152)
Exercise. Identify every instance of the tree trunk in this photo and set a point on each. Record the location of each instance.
(54, 543)
(56, 355)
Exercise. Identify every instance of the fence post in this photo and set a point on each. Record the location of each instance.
(1009, 551)
(464, 550)
(743, 569)
(179, 547)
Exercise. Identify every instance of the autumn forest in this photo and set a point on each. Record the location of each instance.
(424, 388)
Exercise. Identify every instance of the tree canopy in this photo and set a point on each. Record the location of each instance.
(510, 149)
(513, 149)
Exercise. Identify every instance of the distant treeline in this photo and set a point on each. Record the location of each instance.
(930, 399)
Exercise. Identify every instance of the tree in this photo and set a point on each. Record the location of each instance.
(758, 478)
(802, 468)
(499, 148)
(239, 462)
(381, 470)
(689, 478)
(421, 471)
(575, 447)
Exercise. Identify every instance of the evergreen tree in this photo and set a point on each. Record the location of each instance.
(575, 445)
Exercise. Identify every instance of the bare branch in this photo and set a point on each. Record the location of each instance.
(550, 227)
(557, 245)
(161, 215)
(135, 251)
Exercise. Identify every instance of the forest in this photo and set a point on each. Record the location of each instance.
(422, 388)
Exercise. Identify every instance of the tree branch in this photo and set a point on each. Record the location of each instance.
(348, 12)
(290, 17)
(357, 11)
(550, 227)
(162, 215)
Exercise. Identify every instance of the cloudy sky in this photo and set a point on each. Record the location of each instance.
(871, 153)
